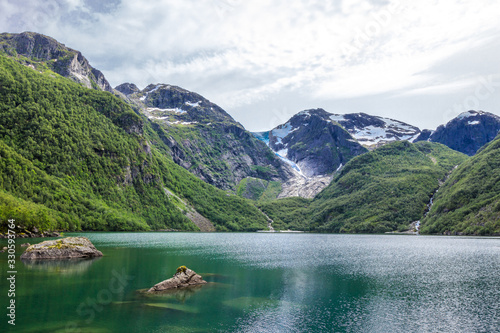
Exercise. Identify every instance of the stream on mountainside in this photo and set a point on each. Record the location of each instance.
(431, 200)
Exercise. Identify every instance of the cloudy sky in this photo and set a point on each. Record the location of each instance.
(422, 62)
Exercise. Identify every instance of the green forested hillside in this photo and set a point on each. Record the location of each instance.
(288, 213)
(383, 190)
(82, 159)
(469, 201)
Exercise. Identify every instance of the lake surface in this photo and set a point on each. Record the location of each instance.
(264, 282)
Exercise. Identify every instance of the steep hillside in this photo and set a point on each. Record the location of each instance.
(383, 190)
(469, 201)
(205, 139)
(466, 133)
(83, 159)
(313, 144)
(42, 52)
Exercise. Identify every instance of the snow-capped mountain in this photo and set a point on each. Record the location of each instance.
(316, 142)
(466, 133)
(374, 131)
(312, 143)
(204, 138)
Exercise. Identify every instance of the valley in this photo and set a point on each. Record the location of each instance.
(77, 154)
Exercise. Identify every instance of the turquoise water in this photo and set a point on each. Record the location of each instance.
(264, 283)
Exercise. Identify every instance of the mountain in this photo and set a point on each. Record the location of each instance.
(317, 144)
(45, 53)
(466, 133)
(312, 143)
(383, 190)
(75, 158)
(375, 131)
(469, 201)
(205, 139)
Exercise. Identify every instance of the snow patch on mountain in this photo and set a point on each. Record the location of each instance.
(282, 131)
(152, 88)
(291, 163)
(374, 130)
(475, 122)
(193, 104)
(337, 117)
(468, 114)
(282, 154)
(175, 110)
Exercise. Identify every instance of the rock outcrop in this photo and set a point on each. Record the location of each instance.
(69, 247)
(127, 88)
(184, 277)
(59, 58)
(205, 139)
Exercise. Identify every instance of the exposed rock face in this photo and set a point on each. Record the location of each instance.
(205, 139)
(184, 277)
(468, 132)
(304, 187)
(61, 59)
(127, 88)
(424, 135)
(312, 143)
(201, 222)
(69, 247)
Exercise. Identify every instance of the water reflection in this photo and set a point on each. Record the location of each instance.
(179, 294)
(60, 267)
(269, 283)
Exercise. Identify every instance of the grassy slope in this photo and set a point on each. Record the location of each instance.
(79, 156)
(258, 189)
(383, 190)
(287, 213)
(469, 201)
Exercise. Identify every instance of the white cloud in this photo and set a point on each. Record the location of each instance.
(238, 53)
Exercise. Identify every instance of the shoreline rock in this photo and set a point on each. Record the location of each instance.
(184, 277)
(66, 248)
(28, 234)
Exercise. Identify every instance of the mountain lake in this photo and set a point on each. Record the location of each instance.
(262, 282)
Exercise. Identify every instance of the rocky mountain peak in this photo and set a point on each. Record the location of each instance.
(59, 58)
(127, 88)
(178, 104)
(467, 132)
(374, 131)
(312, 144)
(204, 138)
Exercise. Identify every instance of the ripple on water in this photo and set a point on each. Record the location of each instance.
(351, 283)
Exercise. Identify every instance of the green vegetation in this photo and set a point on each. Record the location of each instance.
(469, 201)
(383, 190)
(258, 189)
(73, 158)
(287, 213)
(181, 269)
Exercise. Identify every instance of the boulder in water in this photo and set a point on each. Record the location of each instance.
(66, 248)
(184, 277)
